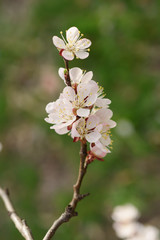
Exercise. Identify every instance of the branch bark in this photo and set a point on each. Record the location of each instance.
(66, 75)
(20, 224)
(77, 196)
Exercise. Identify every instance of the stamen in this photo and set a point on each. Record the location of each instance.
(80, 36)
(63, 37)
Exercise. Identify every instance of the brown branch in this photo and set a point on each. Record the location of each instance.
(20, 224)
(77, 196)
(66, 75)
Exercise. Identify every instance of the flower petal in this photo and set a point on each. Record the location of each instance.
(58, 42)
(91, 100)
(104, 114)
(62, 130)
(82, 54)
(69, 93)
(72, 34)
(61, 73)
(68, 55)
(50, 107)
(93, 136)
(92, 122)
(105, 140)
(83, 112)
(74, 132)
(98, 151)
(87, 77)
(83, 43)
(111, 123)
(101, 146)
(102, 102)
(93, 86)
(83, 91)
(62, 125)
(75, 74)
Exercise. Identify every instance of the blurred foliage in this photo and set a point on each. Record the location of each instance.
(38, 166)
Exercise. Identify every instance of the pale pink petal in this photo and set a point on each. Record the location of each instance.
(62, 125)
(68, 55)
(49, 120)
(61, 73)
(104, 114)
(97, 151)
(74, 132)
(102, 147)
(111, 123)
(83, 112)
(69, 93)
(50, 107)
(54, 118)
(93, 86)
(72, 34)
(62, 130)
(58, 42)
(99, 127)
(83, 43)
(91, 100)
(93, 136)
(75, 74)
(92, 122)
(102, 102)
(83, 91)
(105, 140)
(87, 77)
(81, 54)
(129, 230)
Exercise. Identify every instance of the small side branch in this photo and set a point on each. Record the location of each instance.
(77, 196)
(20, 224)
(66, 75)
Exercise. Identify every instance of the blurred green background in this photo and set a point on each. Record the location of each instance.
(39, 166)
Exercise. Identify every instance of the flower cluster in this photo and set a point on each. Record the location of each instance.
(82, 109)
(127, 226)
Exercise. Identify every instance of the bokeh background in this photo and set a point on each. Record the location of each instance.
(38, 166)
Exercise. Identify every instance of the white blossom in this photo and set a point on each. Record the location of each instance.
(76, 75)
(101, 147)
(81, 98)
(126, 230)
(88, 129)
(60, 114)
(125, 213)
(73, 45)
(102, 102)
(146, 233)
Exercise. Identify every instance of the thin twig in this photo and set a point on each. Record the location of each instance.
(20, 224)
(70, 209)
(66, 75)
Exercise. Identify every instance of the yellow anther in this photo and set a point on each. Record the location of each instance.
(61, 32)
(82, 34)
(88, 49)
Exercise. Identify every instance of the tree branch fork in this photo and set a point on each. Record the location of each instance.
(70, 210)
